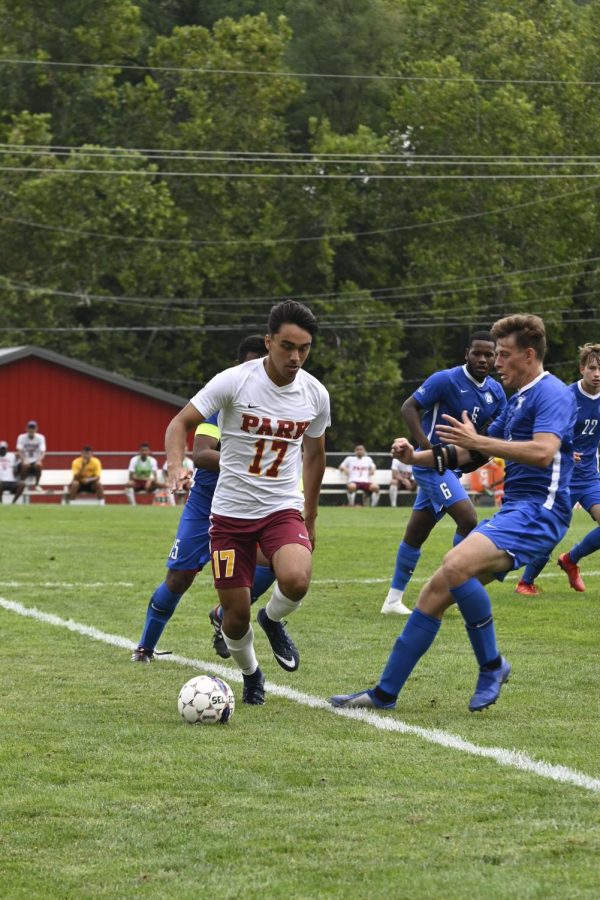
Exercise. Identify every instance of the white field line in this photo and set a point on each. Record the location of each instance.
(65, 584)
(511, 758)
(76, 585)
(422, 579)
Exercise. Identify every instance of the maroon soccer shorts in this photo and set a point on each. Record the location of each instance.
(233, 544)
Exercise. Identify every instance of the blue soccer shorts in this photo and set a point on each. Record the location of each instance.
(526, 531)
(437, 492)
(587, 495)
(191, 547)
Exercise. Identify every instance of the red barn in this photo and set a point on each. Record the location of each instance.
(76, 404)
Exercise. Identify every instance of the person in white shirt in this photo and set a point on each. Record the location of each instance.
(401, 480)
(273, 417)
(31, 449)
(360, 470)
(8, 473)
(142, 473)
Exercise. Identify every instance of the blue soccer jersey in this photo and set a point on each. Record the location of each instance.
(205, 482)
(587, 437)
(454, 390)
(545, 405)
(191, 547)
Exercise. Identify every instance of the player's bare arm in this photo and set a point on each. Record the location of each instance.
(313, 469)
(175, 443)
(539, 451)
(411, 412)
(205, 454)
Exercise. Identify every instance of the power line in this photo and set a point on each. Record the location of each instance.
(364, 177)
(406, 159)
(260, 73)
(344, 235)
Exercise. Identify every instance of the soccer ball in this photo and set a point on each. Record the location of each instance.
(206, 700)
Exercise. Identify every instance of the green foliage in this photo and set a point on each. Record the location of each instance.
(167, 230)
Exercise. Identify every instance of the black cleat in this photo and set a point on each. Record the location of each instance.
(283, 647)
(221, 648)
(142, 656)
(254, 689)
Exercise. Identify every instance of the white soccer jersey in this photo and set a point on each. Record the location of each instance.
(32, 447)
(399, 466)
(7, 467)
(359, 469)
(262, 427)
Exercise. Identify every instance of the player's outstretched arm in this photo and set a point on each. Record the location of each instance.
(175, 443)
(313, 469)
(539, 451)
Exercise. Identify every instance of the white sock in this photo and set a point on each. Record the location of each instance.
(375, 498)
(393, 494)
(351, 498)
(279, 605)
(394, 594)
(242, 652)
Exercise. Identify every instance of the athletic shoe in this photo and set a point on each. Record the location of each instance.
(254, 689)
(528, 589)
(572, 571)
(221, 648)
(393, 604)
(487, 689)
(142, 656)
(283, 647)
(361, 700)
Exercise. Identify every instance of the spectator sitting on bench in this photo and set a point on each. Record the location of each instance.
(31, 449)
(143, 474)
(360, 471)
(8, 476)
(86, 471)
(401, 480)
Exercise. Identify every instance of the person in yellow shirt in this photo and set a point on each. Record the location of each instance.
(86, 471)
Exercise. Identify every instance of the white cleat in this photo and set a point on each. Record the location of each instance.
(393, 604)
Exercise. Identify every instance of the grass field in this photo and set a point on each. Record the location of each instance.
(106, 793)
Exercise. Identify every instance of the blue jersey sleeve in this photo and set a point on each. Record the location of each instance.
(433, 390)
(550, 415)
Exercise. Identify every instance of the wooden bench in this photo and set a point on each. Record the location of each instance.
(54, 486)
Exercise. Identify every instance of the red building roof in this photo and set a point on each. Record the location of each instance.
(75, 403)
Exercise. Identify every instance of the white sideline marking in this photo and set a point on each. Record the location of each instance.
(511, 758)
(423, 579)
(65, 584)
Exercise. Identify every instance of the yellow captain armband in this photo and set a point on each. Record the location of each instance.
(208, 430)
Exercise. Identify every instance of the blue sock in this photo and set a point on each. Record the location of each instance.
(457, 538)
(589, 544)
(160, 609)
(533, 569)
(474, 603)
(264, 576)
(418, 636)
(406, 563)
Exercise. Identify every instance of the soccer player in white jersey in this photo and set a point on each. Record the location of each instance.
(273, 419)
